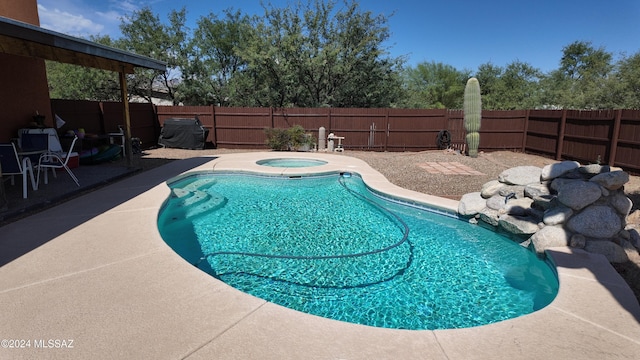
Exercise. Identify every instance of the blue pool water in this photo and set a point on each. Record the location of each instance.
(291, 163)
(328, 246)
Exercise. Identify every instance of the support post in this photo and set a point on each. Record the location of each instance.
(127, 119)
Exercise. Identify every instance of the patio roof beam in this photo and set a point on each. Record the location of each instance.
(22, 39)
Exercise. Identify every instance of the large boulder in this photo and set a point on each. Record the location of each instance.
(516, 191)
(490, 216)
(550, 236)
(537, 190)
(517, 207)
(579, 194)
(613, 180)
(519, 225)
(520, 175)
(553, 171)
(594, 169)
(491, 188)
(557, 216)
(621, 203)
(545, 202)
(495, 202)
(612, 251)
(597, 221)
(563, 204)
(557, 183)
(471, 204)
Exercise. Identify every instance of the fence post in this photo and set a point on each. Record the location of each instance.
(563, 123)
(386, 130)
(271, 116)
(214, 128)
(614, 137)
(524, 131)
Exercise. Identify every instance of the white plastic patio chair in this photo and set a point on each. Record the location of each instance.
(56, 160)
(11, 165)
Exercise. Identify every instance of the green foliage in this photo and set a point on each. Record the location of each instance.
(144, 34)
(434, 85)
(293, 138)
(516, 86)
(472, 115)
(214, 65)
(582, 81)
(580, 60)
(626, 83)
(317, 55)
(277, 139)
(298, 138)
(67, 81)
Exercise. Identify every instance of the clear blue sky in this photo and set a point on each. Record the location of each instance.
(461, 33)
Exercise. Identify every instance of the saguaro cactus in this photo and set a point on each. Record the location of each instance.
(472, 115)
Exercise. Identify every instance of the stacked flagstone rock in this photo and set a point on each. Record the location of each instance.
(562, 204)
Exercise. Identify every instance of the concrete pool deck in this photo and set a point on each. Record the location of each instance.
(95, 274)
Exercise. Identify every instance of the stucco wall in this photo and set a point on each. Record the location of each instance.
(24, 87)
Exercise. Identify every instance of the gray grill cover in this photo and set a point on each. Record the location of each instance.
(183, 133)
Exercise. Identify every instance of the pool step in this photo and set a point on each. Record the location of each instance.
(199, 184)
(213, 202)
(186, 204)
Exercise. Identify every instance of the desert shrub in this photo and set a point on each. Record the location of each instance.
(278, 139)
(293, 138)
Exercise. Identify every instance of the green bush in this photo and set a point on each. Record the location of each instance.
(296, 137)
(293, 138)
(277, 139)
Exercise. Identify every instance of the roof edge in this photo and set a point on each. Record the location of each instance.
(31, 33)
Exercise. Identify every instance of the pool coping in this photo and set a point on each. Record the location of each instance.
(121, 292)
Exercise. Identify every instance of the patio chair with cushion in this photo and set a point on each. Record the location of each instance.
(34, 145)
(11, 165)
(56, 160)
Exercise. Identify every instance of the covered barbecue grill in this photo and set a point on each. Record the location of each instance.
(183, 133)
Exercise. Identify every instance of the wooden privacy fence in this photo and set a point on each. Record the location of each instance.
(606, 136)
(105, 117)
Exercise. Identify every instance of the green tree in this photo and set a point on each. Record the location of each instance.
(625, 83)
(515, 86)
(580, 60)
(318, 55)
(518, 86)
(434, 85)
(74, 82)
(488, 76)
(213, 60)
(582, 80)
(144, 34)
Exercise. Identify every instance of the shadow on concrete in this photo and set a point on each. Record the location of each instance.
(16, 240)
(598, 265)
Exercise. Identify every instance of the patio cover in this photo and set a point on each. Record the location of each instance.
(22, 39)
(18, 38)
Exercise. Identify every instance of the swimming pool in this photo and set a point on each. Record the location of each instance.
(291, 163)
(328, 246)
